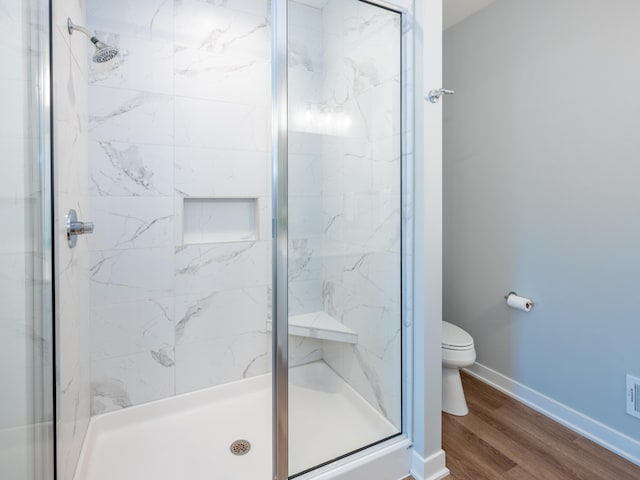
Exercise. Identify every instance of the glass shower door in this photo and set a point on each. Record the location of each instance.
(345, 224)
(26, 402)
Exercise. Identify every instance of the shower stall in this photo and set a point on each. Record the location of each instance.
(219, 239)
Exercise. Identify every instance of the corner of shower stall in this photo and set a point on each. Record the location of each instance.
(165, 313)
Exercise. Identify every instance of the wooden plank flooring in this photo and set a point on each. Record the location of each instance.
(501, 439)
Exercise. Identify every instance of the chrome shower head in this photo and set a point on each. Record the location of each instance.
(103, 53)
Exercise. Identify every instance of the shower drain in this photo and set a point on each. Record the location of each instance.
(240, 447)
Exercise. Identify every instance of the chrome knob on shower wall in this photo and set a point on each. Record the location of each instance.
(75, 228)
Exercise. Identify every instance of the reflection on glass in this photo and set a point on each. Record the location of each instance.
(344, 229)
(26, 444)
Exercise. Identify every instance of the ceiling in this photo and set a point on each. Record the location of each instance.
(457, 10)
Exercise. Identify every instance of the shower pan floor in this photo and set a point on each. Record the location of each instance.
(189, 436)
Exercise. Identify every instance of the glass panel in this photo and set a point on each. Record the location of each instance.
(26, 445)
(179, 164)
(344, 229)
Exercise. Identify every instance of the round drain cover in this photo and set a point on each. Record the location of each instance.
(240, 447)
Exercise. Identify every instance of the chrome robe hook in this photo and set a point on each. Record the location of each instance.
(434, 95)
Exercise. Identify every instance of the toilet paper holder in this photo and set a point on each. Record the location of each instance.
(506, 297)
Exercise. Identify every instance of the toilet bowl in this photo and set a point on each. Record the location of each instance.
(458, 351)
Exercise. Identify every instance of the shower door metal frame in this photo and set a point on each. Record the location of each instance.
(280, 226)
(280, 220)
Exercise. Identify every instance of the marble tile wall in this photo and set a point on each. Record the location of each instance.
(70, 100)
(185, 112)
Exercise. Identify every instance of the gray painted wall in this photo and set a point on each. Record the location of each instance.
(542, 195)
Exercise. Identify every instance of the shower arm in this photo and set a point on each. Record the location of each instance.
(72, 27)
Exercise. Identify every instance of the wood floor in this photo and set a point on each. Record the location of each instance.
(502, 439)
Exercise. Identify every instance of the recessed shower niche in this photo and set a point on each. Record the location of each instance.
(219, 220)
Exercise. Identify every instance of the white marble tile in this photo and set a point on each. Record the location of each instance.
(363, 221)
(129, 328)
(71, 269)
(13, 94)
(13, 48)
(373, 279)
(363, 22)
(305, 100)
(130, 116)
(370, 65)
(378, 327)
(333, 179)
(305, 175)
(73, 147)
(151, 20)
(305, 216)
(376, 111)
(377, 223)
(304, 48)
(386, 165)
(141, 64)
(14, 231)
(205, 364)
(332, 260)
(213, 172)
(12, 181)
(202, 123)
(311, 17)
(132, 222)
(13, 278)
(206, 268)
(347, 361)
(70, 81)
(349, 169)
(73, 414)
(305, 296)
(260, 8)
(333, 220)
(14, 357)
(131, 380)
(124, 169)
(128, 275)
(220, 315)
(226, 78)
(222, 30)
(301, 143)
(73, 338)
(304, 258)
(304, 350)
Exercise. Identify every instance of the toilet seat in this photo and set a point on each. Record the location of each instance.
(455, 338)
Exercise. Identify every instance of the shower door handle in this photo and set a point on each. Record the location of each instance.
(75, 228)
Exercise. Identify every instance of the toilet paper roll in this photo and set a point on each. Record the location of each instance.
(519, 303)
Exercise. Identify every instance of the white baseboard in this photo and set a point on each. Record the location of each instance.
(431, 468)
(611, 439)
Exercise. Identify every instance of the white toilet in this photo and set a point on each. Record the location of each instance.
(458, 352)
